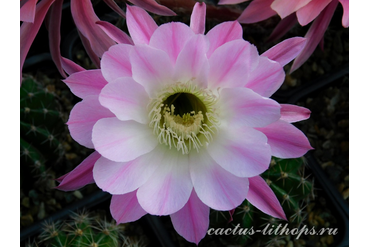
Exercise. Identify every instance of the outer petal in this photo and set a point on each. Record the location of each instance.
(53, 20)
(115, 33)
(83, 117)
(258, 10)
(140, 25)
(266, 78)
(154, 7)
(216, 187)
(223, 33)
(198, 18)
(89, 50)
(85, 19)
(262, 197)
(122, 141)
(115, 63)
(85, 83)
(243, 107)
(232, 63)
(127, 99)
(221, 2)
(285, 140)
(169, 188)
(112, 4)
(192, 63)
(70, 67)
(286, 7)
(309, 12)
(315, 34)
(125, 208)
(124, 177)
(81, 175)
(283, 27)
(28, 10)
(285, 51)
(345, 18)
(293, 113)
(171, 38)
(242, 151)
(192, 220)
(29, 30)
(151, 67)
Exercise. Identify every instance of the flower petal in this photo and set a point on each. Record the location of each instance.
(171, 38)
(53, 22)
(215, 186)
(151, 67)
(223, 33)
(127, 99)
(192, 63)
(242, 151)
(123, 177)
(86, 83)
(293, 113)
(125, 208)
(285, 140)
(122, 141)
(169, 187)
(154, 7)
(231, 62)
(113, 5)
(345, 18)
(140, 25)
(70, 67)
(310, 11)
(258, 10)
(192, 220)
(28, 10)
(83, 117)
(266, 78)
(285, 51)
(115, 33)
(198, 18)
(262, 197)
(221, 2)
(29, 30)
(115, 63)
(286, 7)
(85, 18)
(81, 175)
(243, 107)
(283, 27)
(315, 34)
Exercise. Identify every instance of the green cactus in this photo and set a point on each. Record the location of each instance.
(84, 230)
(41, 127)
(286, 178)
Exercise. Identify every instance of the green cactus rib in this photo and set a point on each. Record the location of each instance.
(41, 127)
(81, 231)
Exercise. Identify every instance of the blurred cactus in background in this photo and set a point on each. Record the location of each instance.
(42, 125)
(86, 230)
(294, 191)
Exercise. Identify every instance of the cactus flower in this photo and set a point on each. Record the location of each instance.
(181, 121)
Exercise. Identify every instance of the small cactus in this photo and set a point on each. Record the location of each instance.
(41, 124)
(294, 190)
(83, 230)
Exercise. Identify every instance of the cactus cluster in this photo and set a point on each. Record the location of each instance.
(292, 188)
(41, 127)
(85, 230)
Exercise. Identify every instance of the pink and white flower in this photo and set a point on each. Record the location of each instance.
(181, 122)
(291, 12)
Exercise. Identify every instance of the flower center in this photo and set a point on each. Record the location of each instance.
(183, 117)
